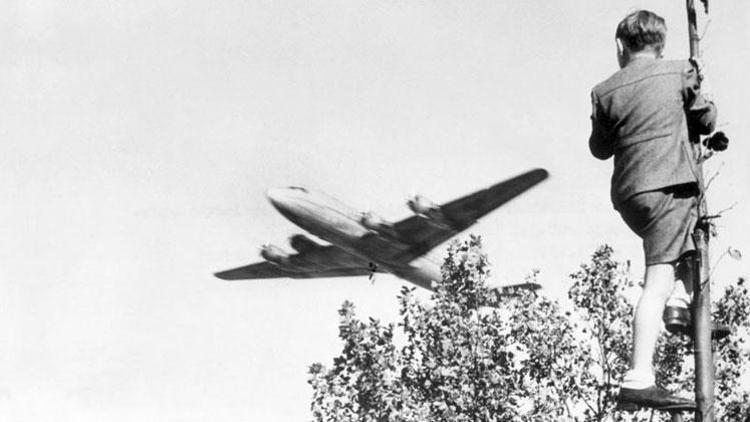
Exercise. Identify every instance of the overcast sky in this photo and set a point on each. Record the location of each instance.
(137, 139)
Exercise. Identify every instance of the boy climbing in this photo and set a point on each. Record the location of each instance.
(642, 115)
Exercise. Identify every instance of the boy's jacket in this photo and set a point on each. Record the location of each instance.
(641, 115)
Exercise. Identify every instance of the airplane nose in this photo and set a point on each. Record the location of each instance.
(279, 197)
(275, 194)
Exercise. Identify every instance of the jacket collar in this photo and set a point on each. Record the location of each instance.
(641, 60)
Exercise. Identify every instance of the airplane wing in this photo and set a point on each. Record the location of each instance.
(323, 261)
(456, 216)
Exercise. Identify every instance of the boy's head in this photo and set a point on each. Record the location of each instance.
(641, 32)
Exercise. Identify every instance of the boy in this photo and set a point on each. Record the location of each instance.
(641, 116)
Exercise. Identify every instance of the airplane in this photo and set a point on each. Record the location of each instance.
(362, 243)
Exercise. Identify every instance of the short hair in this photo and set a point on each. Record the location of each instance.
(642, 29)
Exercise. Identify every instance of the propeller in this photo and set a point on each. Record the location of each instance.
(373, 269)
(413, 193)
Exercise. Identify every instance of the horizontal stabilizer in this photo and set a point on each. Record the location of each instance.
(512, 290)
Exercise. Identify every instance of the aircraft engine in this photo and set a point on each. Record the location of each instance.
(302, 243)
(274, 254)
(421, 205)
(372, 221)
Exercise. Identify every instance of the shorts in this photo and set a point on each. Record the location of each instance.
(664, 219)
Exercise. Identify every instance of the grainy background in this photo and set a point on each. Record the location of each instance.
(137, 139)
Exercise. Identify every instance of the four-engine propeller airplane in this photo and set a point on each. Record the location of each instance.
(363, 243)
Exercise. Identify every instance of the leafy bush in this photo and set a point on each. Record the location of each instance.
(522, 359)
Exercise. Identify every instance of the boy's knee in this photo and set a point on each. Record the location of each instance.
(659, 279)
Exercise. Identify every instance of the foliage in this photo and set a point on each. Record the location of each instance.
(522, 359)
(733, 353)
(598, 294)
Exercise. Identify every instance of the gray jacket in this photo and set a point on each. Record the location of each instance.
(641, 115)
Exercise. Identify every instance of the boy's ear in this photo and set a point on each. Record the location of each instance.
(620, 47)
(622, 58)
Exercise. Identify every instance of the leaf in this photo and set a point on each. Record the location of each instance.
(734, 253)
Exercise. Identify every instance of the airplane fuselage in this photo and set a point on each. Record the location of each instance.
(362, 243)
(341, 225)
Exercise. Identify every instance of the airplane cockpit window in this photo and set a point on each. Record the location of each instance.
(298, 188)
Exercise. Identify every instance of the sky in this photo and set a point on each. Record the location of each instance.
(138, 138)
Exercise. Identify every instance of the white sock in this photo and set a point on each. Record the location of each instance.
(638, 380)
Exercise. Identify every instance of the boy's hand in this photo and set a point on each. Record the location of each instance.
(699, 66)
(705, 85)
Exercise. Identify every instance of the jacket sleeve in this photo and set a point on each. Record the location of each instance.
(600, 140)
(701, 113)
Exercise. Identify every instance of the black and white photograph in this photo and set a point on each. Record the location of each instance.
(374, 210)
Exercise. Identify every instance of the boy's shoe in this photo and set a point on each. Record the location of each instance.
(678, 320)
(653, 397)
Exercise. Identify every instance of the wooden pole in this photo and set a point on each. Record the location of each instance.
(693, 29)
(704, 365)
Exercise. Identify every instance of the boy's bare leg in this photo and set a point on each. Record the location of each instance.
(639, 388)
(659, 283)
